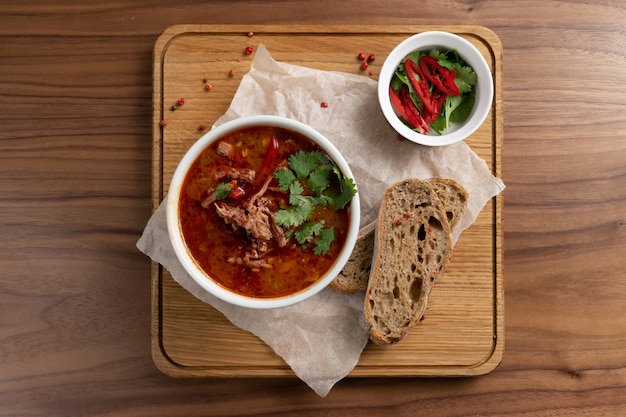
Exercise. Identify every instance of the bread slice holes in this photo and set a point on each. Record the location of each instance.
(421, 233)
(416, 289)
(434, 223)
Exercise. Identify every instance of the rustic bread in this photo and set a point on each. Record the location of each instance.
(453, 196)
(355, 274)
(412, 247)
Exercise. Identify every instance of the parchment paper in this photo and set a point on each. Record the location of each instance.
(322, 338)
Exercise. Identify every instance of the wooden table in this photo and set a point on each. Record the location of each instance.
(75, 194)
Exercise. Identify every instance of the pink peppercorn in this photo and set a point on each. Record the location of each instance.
(181, 101)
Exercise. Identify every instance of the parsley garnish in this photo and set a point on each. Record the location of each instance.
(223, 190)
(308, 180)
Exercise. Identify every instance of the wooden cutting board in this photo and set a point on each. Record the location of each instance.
(463, 330)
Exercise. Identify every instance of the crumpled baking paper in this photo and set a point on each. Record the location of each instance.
(322, 338)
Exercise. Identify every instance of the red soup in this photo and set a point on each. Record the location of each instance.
(264, 211)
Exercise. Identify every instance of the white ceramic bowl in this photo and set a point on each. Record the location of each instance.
(443, 41)
(176, 236)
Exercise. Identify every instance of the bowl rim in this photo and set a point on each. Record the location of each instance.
(177, 240)
(426, 41)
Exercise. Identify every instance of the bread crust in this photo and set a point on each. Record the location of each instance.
(355, 275)
(412, 247)
(454, 198)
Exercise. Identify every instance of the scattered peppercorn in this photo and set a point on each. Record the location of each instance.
(248, 50)
(250, 34)
(201, 127)
(231, 72)
(324, 105)
(208, 87)
(371, 58)
(204, 81)
(364, 65)
(361, 56)
(163, 123)
(173, 107)
(181, 101)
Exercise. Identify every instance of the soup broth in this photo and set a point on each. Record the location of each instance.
(228, 206)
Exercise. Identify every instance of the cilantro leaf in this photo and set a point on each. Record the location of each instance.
(223, 190)
(319, 179)
(303, 163)
(293, 216)
(324, 200)
(465, 78)
(308, 232)
(449, 106)
(310, 183)
(326, 237)
(295, 190)
(284, 177)
(347, 190)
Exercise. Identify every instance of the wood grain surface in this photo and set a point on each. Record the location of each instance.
(75, 193)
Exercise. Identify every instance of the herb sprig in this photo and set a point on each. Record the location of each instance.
(308, 180)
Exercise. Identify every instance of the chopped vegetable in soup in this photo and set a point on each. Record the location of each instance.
(264, 211)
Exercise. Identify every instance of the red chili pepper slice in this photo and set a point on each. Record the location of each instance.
(421, 85)
(237, 193)
(413, 116)
(439, 98)
(397, 104)
(272, 154)
(441, 77)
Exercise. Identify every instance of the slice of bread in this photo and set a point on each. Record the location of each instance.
(355, 274)
(412, 246)
(453, 196)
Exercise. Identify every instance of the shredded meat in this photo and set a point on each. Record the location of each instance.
(209, 199)
(255, 218)
(242, 174)
(254, 264)
(226, 149)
